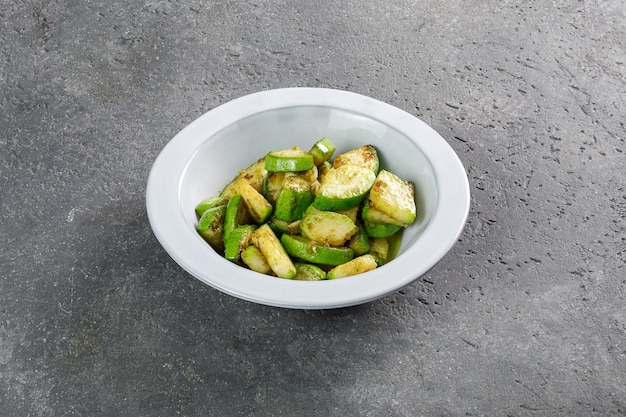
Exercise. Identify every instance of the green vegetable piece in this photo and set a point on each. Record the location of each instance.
(379, 247)
(322, 151)
(380, 229)
(308, 272)
(277, 258)
(208, 203)
(260, 209)
(360, 242)
(327, 227)
(254, 259)
(237, 241)
(272, 185)
(307, 250)
(211, 227)
(236, 215)
(373, 215)
(394, 197)
(291, 204)
(365, 156)
(344, 187)
(356, 266)
(280, 226)
(289, 160)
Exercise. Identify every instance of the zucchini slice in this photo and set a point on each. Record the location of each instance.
(394, 197)
(379, 247)
(307, 250)
(211, 227)
(327, 227)
(236, 215)
(344, 187)
(322, 150)
(272, 185)
(360, 242)
(308, 272)
(373, 215)
(280, 226)
(294, 198)
(254, 259)
(289, 160)
(260, 209)
(380, 229)
(365, 156)
(356, 266)
(277, 258)
(208, 203)
(237, 241)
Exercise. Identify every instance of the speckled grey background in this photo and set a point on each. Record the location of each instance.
(526, 316)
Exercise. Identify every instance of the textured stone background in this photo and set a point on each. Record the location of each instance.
(526, 316)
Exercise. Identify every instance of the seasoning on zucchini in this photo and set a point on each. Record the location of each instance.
(356, 266)
(275, 255)
(344, 187)
(289, 160)
(308, 272)
(394, 197)
(301, 215)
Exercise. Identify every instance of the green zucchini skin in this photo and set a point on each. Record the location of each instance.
(308, 272)
(344, 187)
(289, 160)
(211, 227)
(307, 250)
(380, 229)
(208, 203)
(237, 241)
(236, 215)
(322, 151)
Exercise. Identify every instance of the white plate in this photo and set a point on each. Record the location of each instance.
(200, 160)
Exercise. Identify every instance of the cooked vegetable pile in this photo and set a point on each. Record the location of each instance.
(303, 215)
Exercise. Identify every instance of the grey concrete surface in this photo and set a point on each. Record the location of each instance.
(526, 316)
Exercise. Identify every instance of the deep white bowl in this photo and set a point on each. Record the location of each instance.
(200, 160)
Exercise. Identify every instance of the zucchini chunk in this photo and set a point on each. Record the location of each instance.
(379, 248)
(328, 227)
(380, 229)
(360, 242)
(237, 241)
(260, 209)
(344, 187)
(307, 250)
(322, 150)
(394, 197)
(277, 258)
(208, 203)
(211, 227)
(254, 259)
(280, 226)
(272, 185)
(370, 214)
(309, 272)
(365, 156)
(356, 266)
(289, 160)
(236, 215)
(294, 198)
